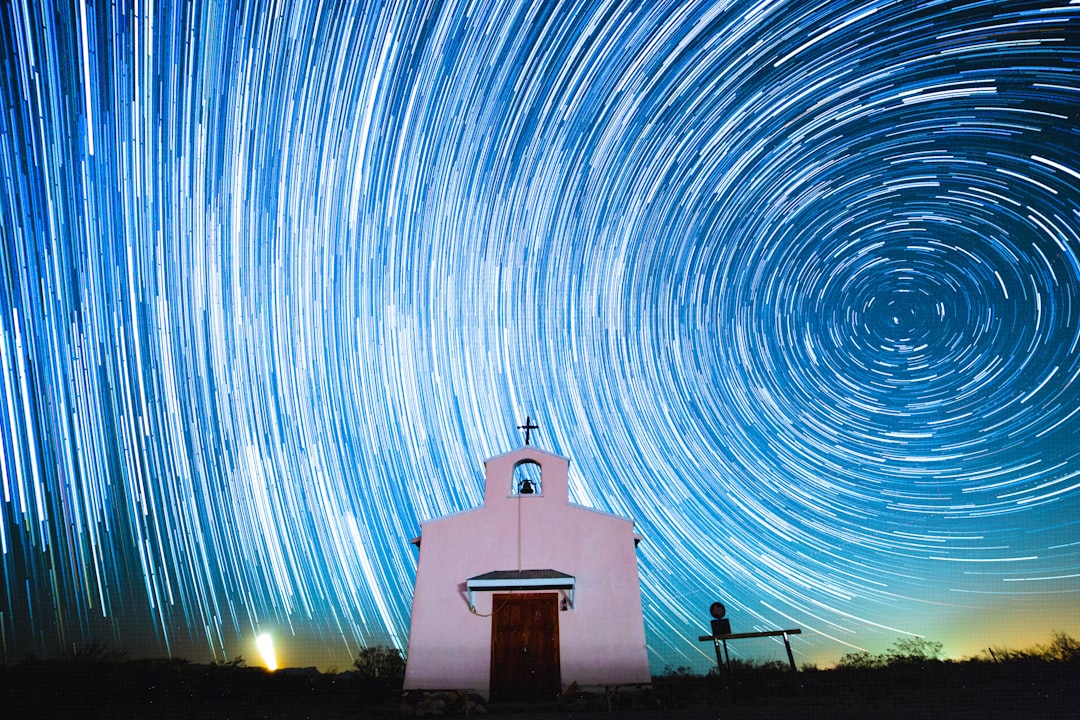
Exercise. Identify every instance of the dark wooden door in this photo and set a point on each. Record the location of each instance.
(525, 648)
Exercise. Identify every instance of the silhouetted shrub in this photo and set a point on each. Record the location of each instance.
(1062, 648)
(905, 652)
(860, 660)
(95, 652)
(380, 661)
(681, 671)
(1002, 655)
(380, 672)
(912, 651)
(236, 662)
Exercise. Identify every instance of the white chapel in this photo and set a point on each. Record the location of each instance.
(527, 594)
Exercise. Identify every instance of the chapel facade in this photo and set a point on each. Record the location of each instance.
(519, 598)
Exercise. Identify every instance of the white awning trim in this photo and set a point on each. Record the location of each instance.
(529, 580)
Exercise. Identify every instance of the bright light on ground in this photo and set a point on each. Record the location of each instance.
(265, 643)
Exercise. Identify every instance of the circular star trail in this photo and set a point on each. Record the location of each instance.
(795, 285)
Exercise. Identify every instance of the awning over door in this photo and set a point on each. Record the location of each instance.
(529, 580)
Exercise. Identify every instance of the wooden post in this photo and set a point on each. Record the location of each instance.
(730, 671)
(723, 663)
(790, 657)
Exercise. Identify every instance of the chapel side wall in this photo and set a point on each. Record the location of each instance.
(450, 647)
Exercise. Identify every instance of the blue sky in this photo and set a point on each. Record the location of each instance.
(795, 285)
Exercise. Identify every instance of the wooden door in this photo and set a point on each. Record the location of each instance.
(525, 648)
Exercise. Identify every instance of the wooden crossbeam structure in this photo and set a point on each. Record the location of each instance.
(724, 659)
(764, 633)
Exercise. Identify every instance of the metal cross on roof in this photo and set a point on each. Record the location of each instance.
(528, 427)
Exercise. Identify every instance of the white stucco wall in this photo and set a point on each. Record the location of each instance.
(601, 639)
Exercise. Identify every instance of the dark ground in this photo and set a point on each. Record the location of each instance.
(176, 690)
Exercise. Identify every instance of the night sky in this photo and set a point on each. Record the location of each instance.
(795, 285)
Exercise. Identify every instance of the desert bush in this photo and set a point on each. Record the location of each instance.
(681, 671)
(380, 661)
(96, 652)
(1002, 655)
(860, 660)
(380, 672)
(1062, 648)
(904, 652)
(773, 666)
(912, 651)
(236, 662)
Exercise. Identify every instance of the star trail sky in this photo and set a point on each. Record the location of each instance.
(796, 285)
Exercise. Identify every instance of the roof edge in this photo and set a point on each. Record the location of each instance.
(530, 448)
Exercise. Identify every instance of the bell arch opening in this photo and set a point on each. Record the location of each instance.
(527, 478)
